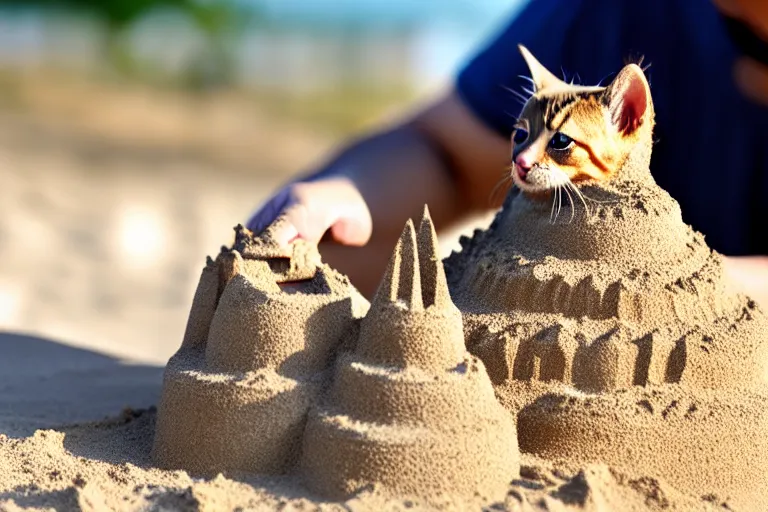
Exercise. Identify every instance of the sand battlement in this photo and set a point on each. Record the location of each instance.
(622, 294)
(253, 360)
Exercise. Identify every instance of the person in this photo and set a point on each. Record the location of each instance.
(709, 79)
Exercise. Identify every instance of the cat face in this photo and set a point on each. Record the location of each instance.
(568, 134)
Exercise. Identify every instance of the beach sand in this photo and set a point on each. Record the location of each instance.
(632, 374)
(109, 465)
(106, 466)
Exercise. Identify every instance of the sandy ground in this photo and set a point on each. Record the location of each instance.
(110, 199)
(108, 208)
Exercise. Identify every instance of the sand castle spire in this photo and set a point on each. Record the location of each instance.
(413, 322)
(429, 407)
(402, 279)
(434, 287)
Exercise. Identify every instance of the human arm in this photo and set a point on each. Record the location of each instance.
(750, 273)
(443, 157)
(450, 155)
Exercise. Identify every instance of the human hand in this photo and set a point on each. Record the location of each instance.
(750, 275)
(307, 210)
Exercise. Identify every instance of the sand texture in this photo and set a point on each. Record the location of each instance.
(235, 396)
(106, 466)
(597, 361)
(428, 423)
(615, 336)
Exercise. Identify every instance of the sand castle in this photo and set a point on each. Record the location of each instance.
(427, 422)
(618, 339)
(390, 398)
(610, 337)
(235, 395)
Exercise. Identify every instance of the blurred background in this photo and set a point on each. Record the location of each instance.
(134, 134)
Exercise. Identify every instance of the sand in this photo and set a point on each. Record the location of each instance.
(106, 466)
(598, 363)
(433, 391)
(615, 337)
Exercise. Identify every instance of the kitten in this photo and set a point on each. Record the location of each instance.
(569, 134)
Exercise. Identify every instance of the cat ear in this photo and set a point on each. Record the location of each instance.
(542, 77)
(628, 99)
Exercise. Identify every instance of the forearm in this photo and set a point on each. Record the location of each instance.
(444, 157)
(397, 172)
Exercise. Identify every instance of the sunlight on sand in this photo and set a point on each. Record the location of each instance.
(10, 305)
(142, 235)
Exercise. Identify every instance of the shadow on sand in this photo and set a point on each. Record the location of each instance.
(46, 384)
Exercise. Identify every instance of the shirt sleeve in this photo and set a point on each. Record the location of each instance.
(566, 36)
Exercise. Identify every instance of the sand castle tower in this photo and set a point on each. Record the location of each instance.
(622, 316)
(625, 281)
(261, 333)
(427, 423)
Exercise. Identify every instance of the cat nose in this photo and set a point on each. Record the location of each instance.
(524, 162)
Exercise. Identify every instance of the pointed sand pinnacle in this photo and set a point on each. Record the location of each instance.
(230, 264)
(402, 279)
(434, 285)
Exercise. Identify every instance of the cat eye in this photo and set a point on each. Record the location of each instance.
(560, 141)
(520, 136)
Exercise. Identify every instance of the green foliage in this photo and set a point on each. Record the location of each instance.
(215, 19)
(211, 15)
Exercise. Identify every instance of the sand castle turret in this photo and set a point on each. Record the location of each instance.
(258, 341)
(623, 318)
(427, 423)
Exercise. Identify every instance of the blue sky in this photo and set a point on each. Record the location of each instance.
(448, 30)
(386, 12)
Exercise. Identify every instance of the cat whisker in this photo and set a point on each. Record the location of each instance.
(585, 196)
(570, 200)
(562, 201)
(552, 210)
(606, 77)
(580, 195)
(520, 96)
(567, 185)
(557, 200)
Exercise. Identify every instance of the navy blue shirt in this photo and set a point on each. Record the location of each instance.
(711, 150)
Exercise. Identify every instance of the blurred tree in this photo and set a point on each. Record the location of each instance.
(217, 21)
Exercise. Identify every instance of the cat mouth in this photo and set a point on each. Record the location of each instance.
(520, 178)
(528, 182)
